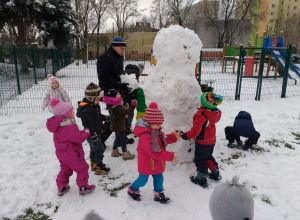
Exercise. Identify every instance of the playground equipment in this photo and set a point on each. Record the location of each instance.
(152, 60)
(230, 57)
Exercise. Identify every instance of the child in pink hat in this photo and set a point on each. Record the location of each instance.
(55, 90)
(152, 153)
(68, 143)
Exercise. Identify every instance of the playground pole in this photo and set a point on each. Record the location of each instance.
(199, 69)
(286, 71)
(238, 74)
(241, 72)
(260, 74)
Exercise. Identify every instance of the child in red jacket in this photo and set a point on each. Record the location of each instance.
(152, 153)
(204, 134)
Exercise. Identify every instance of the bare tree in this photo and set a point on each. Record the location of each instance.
(121, 11)
(227, 16)
(159, 14)
(179, 10)
(291, 29)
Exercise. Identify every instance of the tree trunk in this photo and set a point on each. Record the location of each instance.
(22, 53)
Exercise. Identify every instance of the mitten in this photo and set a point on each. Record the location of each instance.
(134, 102)
(101, 94)
(184, 136)
(94, 139)
(87, 130)
(126, 106)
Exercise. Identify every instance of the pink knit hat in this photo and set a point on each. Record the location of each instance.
(51, 79)
(61, 108)
(153, 115)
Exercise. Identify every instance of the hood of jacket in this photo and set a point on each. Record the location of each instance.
(141, 126)
(244, 115)
(213, 116)
(53, 123)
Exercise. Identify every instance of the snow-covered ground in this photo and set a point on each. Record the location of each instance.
(29, 168)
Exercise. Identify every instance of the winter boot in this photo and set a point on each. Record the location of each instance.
(129, 140)
(134, 194)
(102, 169)
(231, 145)
(160, 197)
(128, 131)
(245, 147)
(215, 175)
(116, 153)
(200, 179)
(128, 156)
(63, 190)
(93, 165)
(86, 189)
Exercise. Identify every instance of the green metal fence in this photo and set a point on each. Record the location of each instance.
(23, 67)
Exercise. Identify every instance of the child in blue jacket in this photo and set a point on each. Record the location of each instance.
(243, 126)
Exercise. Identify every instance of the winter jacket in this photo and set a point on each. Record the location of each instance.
(243, 125)
(118, 113)
(67, 137)
(91, 116)
(109, 69)
(59, 93)
(204, 126)
(140, 97)
(149, 162)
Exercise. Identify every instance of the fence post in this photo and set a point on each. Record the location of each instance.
(260, 74)
(105, 46)
(16, 67)
(45, 62)
(33, 63)
(239, 72)
(199, 69)
(52, 54)
(286, 71)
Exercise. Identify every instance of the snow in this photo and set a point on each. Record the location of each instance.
(270, 171)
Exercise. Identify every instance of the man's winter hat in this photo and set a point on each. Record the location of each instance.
(231, 200)
(51, 79)
(153, 115)
(91, 92)
(111, 93)
(210, 100)
(118, 42)
(61, 108)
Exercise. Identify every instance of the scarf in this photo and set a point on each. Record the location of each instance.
(67, 121)
(155, 134)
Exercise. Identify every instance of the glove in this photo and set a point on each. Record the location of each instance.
(94, 139)
(124, 87)
(44, 108)
(184, 136)
(134, 102)
(110, 118)
(126, 106)
(87, 130)
(101, 94)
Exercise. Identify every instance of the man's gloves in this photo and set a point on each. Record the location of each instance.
(124, 88)
(134, 102)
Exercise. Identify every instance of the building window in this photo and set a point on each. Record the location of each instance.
(296, 0)
(295, 7)
(288, 6)
(271, 20)
(273, 5)
(270, 28)
(272, 13)
(282, 3)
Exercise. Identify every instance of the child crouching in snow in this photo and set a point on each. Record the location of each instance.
(68, 143)
(204, 134)
(152, 153)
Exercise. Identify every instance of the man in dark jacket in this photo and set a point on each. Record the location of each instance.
(110, 66)
(243, 126)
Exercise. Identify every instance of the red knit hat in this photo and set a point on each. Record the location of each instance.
(153, 115)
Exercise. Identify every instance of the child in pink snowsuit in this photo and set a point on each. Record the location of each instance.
(152, 153)
(68, 143)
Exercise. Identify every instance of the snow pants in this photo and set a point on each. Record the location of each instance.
(231, 136)
(96, 152)
(72, 160)
(204, 159)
